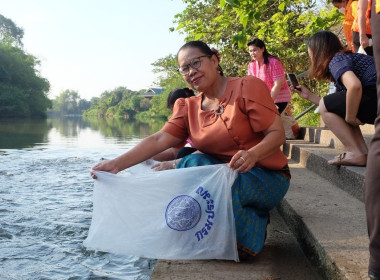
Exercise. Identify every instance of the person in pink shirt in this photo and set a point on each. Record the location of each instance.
(269, 69)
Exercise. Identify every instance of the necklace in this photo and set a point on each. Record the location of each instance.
(219, 110)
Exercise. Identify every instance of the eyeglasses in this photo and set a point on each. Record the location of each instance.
(195, 64)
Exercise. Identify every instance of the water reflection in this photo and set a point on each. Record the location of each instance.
(69, 126)
(121, 128)
(19, 134)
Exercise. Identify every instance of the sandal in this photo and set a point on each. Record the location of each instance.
(342, 160)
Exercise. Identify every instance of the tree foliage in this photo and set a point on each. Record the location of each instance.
(69, 103)
(169, 79)
(10, 32)
(284, 26)
(120, 103)
(23, 92)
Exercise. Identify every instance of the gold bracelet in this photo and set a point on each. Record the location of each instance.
(174, 164)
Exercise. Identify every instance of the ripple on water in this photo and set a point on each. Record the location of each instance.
(4, 234)
(45, 214)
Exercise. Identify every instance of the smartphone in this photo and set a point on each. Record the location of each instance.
(292, 79)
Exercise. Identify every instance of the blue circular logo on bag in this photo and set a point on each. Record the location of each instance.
(183, 213)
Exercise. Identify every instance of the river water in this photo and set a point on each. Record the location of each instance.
(46, 198)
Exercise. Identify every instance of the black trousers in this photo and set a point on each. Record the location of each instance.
(372, 197)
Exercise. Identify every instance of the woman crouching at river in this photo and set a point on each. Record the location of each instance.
(234, 121)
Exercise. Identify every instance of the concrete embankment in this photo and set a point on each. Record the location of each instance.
(317, 232)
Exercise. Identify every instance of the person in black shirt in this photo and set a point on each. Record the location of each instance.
(355, 101)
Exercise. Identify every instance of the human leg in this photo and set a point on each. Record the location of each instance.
(356, 40)
(369, 49)
(281, 106)
(350, 136)
(254, 194)
(372, 196)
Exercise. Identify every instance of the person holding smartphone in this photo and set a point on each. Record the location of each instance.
(355, 101)
(269, 69)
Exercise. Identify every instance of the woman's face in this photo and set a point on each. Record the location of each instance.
(255, 52)
(340, 6)
(200, 70)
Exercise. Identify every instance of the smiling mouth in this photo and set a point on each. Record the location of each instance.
(195, 80)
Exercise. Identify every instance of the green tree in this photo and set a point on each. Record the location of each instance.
(120, 102)
(69, 102)
(169, 79)
(10, 32)
(169, 76)
(145, 104)
(83, 105)
(283, 25)
(23, 92)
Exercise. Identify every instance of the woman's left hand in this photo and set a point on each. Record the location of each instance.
(354, 121)
(106, 165)
(242, 161)
(165, 165)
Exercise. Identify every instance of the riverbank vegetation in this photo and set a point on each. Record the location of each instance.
(68, 103)
(23, 92)
(228, 25)
(284, 25)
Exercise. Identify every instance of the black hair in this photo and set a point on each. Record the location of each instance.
(178, 93)
(204, 48)
(260, 44)
(323, 46)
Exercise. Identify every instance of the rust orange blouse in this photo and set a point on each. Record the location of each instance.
(248, 110)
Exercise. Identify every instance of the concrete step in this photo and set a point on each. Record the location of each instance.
(281, 258)
(328, 223)
(323, 211)
(315, 156)
(324, 136)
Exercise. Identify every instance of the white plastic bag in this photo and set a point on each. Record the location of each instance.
(290, 124)
(174, 214)
(361, 50)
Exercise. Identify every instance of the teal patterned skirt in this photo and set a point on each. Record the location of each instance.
(254, 194)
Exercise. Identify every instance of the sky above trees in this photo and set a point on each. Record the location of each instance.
(94, 46)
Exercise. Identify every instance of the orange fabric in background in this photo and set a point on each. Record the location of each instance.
(347, 25)
(355, 25)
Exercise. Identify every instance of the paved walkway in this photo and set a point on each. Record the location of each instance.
(281, 259)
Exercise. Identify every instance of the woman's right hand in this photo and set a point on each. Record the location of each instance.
(107, 165)
(302, 91)
(165, 165)
(354, 121)
(305, 93)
